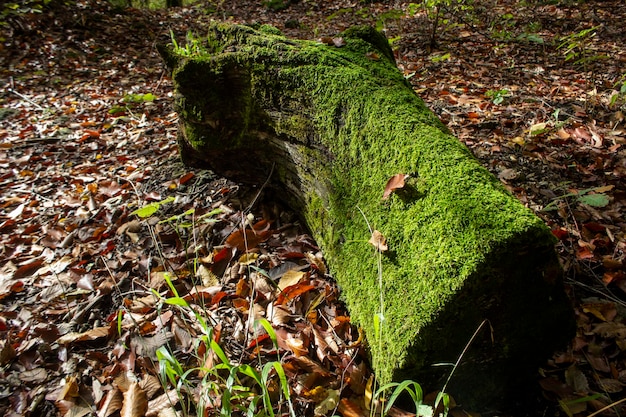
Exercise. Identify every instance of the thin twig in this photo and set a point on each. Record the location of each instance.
(258, 194)
(458, 361)
(595, 413)
(23, 97)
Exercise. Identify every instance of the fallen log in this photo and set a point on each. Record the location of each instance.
(334, 122)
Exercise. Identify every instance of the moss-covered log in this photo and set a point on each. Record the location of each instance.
(333, 124)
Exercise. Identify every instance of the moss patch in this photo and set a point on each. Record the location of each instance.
(339, 122)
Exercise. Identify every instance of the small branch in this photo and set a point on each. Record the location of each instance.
(23, 97)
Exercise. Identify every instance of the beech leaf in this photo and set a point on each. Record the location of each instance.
(112, 403)
(379, 241)
(395, 183)
(93, 334)
(291, 277)
(135, 402)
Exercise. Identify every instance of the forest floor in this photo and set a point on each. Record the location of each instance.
(101, 225)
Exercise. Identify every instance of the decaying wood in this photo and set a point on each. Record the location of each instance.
(333, 124)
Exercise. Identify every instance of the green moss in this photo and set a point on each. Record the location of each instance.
(350, 122)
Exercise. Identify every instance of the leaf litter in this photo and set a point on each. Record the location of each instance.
(88, 139)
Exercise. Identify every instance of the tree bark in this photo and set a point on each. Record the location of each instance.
(334, 122)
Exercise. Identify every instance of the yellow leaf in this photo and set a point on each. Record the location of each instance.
(369, 394)
(291, 277)
(538, 128)
(604, 189)
(329, 403)
(70, 389)
(248, 258)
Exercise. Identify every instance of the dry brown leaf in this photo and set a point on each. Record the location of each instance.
(296, 345)
(247, 239)
(309, 365)
(135, 402)
(169, 412)
(563, 134)
(348, 408)
(78, 410)
(7, 353)
(142, 304)
(150, 384)
(611, 386)
(93, 334)
(34, 376)
(379, 241)
(70, 389)
(605, 311)
(161, 403)
(577, 380)
(28, 269)
(610, 330)
(278, 315)
(147, 346)
(207, 276)
(112, 403)
(395, 183)
(328, 404)
(316, 260)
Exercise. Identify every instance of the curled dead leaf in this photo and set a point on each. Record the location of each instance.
(378, 241)
(395, 183)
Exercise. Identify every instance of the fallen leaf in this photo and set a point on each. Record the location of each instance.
(245, 240)
(538, 129)
(508, 174)
(394, 183)
(378, 241)
(576, 379)
(292, 292)
(93, 334)
(28, 269)
(328, 404)
(185, 178)
(135, 402)
(339, 42)
(17, 212)
(296, 345)
(348, 408)
(112, 403)
(289, 278)
(69, 390)
(610, 386)
(594, 200)
(34, 376)
(162, 402)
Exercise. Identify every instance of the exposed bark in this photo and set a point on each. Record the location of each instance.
(334, 123)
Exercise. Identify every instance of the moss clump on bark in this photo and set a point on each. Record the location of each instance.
(337, 123)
